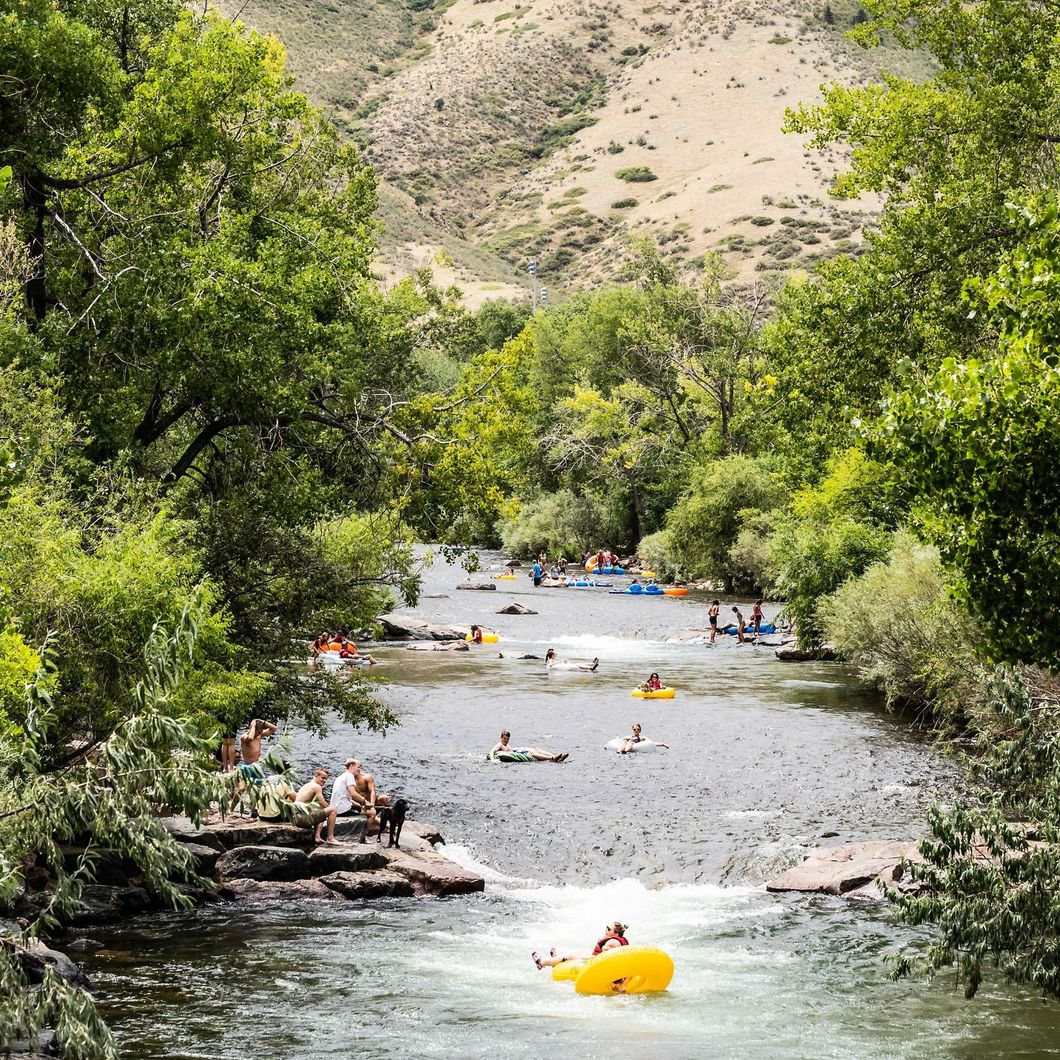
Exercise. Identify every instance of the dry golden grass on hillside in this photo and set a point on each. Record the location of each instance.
(556, 128)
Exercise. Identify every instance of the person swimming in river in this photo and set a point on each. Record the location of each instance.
(613, 938)
(534, 752)
(553, 663)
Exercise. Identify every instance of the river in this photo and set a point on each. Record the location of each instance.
(766, 757)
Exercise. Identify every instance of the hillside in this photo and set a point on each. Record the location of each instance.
(555, 130)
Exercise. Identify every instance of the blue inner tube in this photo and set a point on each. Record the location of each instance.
(766, 628)
(639, 590)
(608, 570)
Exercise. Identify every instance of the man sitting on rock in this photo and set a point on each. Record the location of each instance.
(312, 808)
(366, 789)
(346, 798)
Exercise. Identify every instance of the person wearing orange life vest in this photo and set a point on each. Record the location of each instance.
(613, 938)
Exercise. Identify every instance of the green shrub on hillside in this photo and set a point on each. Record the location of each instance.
(636, 174)
(615, 148)
(623, 204)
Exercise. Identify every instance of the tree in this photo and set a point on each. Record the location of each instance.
(976, 441)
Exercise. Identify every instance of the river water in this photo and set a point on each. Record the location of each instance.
(765, 757)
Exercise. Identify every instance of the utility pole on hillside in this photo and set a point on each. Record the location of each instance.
(533, 275)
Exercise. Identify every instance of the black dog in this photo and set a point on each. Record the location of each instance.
(394, 816)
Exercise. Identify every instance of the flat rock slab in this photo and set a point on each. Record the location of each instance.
(449, 645)
(376, 883)
(262, 863)
(516, 609)
(359, 858)
(823, 654)
(430, 873)
(407, 627)
(242, 832)
(277, 890)
(480, 587)
(350, 828)
(847, 869)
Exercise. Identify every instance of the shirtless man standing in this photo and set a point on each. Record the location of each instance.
(311, 795)
(250, 741)
(250, 771)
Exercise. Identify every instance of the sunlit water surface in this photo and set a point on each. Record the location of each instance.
(765, 758)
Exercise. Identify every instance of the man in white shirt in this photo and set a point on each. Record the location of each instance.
(345, 797)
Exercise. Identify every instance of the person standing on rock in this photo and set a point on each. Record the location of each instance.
(250, 743)
(712, 614)
(756, 617)
(315, 809)
(740, 624)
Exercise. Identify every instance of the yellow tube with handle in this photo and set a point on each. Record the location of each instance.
(624, 970)
(487, 638)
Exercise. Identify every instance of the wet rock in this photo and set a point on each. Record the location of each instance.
(262, 863)
(513, 563)
(36, 958)
(406, 627)
(435, 596)
(430, 873)
(453, 645)
(84, 945)
(516, 609)
(277, 890)
(847, 869)
(100, 904)
(480, 587)
(325, 860)
(377, 883)
(521, 657)
(825, 653)
(108, 866)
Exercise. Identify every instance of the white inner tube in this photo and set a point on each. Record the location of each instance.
(644, 745)
(570, 667)
(333, 658)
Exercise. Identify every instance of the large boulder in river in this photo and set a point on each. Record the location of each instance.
(378, 883)
(263, 863)
(430, 873)
(406, 627)
(241, 832)
(850, 869)
(482, 587)
(516, 609)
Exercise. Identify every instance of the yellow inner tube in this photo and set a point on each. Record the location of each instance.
(504, 577)
(487, 638)
(648, 574)
(628, 970)
(660, 693)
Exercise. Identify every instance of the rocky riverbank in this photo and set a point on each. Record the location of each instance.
(242, 859)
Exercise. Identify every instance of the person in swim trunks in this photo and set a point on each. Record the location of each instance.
(534, 752)
(712, 614)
